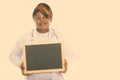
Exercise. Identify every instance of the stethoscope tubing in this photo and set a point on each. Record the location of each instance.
(50, 35)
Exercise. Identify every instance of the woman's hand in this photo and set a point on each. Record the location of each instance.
(22, 70)
(65, 65)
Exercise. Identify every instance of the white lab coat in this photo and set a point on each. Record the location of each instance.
(34, 35)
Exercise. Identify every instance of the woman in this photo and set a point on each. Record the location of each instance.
(42, 16)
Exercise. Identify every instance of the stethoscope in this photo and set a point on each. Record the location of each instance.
(51, 35)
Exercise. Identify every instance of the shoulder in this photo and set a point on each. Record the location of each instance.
(24, 37)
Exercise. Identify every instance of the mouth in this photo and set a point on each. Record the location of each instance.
(42, 24)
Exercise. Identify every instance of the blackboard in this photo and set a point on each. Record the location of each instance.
(43, 57)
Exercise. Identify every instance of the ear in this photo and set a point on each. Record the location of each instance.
(50, 19)
(34, 20)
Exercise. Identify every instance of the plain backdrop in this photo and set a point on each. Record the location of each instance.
(92, 28)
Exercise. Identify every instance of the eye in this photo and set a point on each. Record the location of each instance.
(44, 17)
(37, 18)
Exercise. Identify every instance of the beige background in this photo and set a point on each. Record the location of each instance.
(91, 26)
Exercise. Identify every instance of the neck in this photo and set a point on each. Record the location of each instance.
(42, 31)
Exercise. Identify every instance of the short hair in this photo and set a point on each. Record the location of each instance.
(44, 9)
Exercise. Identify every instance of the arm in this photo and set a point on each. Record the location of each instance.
(15, 56)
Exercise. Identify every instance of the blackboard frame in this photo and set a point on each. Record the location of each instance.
(50, 43)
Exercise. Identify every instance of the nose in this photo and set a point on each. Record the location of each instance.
(41, 20)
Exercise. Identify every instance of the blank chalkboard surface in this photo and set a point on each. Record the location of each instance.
(43, 57)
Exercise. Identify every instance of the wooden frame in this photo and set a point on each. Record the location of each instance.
(43, 57)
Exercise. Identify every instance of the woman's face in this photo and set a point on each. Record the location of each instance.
(42, 23)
